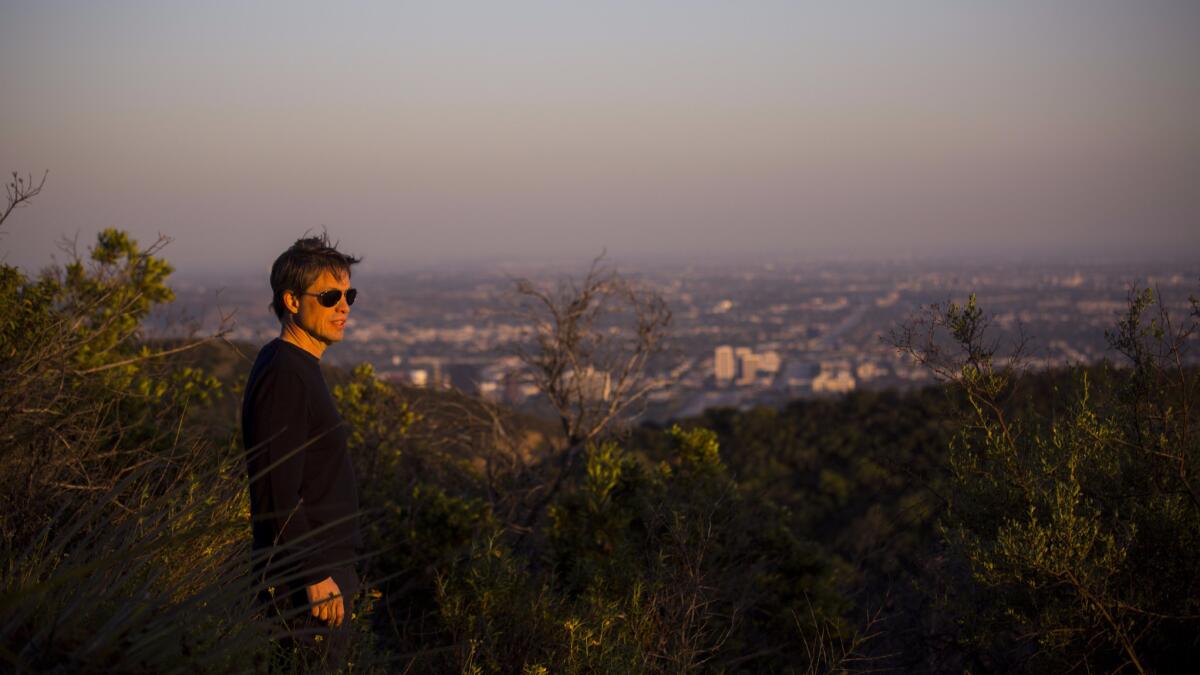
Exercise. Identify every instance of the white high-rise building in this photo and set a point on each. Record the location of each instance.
(769, 362)
(837, 381)
(724, 364)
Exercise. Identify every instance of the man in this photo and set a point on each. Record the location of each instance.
(303, 492)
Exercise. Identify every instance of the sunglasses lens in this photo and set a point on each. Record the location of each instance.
(329, 298)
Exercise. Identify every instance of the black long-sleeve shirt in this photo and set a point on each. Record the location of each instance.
(289, 418)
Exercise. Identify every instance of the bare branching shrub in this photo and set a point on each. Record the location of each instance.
(590, 344)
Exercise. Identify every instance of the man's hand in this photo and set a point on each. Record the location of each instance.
(326, 599)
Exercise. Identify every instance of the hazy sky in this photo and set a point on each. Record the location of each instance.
(435, 131)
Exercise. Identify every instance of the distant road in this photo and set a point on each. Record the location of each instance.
(826, 341)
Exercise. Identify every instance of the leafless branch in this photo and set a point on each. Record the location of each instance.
(20, 190)
(155, 355)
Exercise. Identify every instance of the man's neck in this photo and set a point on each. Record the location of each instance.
(295, 335)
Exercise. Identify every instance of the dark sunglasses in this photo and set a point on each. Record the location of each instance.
(331, 297)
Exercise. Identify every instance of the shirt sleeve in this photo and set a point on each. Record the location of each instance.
(280, 428)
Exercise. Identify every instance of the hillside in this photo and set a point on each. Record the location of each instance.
(1001, 522)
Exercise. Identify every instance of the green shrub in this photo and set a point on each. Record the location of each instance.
(1081, 522)
(124, 530)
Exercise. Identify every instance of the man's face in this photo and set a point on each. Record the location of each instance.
(326, 324)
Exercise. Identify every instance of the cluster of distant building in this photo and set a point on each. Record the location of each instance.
(504, 379)
(743, 367)
(734, 369)
(741, 336)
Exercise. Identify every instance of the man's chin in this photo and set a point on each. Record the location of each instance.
(330, 338)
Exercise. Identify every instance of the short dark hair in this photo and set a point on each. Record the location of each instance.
(298, 267)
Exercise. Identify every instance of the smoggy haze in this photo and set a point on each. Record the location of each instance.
(421, 132)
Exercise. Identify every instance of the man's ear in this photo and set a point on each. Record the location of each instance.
(290, 302)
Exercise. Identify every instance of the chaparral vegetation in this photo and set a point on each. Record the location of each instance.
(1000, 521)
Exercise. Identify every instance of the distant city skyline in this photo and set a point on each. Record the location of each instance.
(460, 133)
(738, 336)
